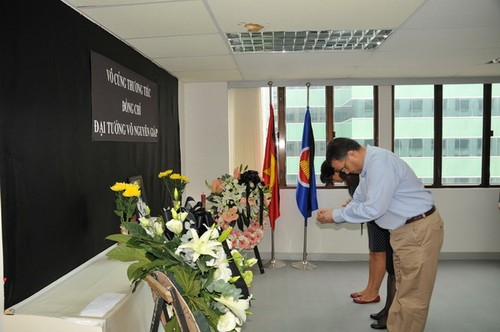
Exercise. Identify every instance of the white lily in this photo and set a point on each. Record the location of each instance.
(144, 221)
(238, 307)
(200, 245)
(175, 226)
(182, 215)
(158, 226)
(223, 272)
(227, 322)
(221, 258)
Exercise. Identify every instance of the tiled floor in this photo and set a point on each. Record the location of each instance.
(466, 298)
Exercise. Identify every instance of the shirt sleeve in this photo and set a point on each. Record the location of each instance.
(374, 194)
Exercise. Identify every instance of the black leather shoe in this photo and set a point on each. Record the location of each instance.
(378, 326)
(376, 316)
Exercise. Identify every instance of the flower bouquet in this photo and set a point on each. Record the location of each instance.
(175, 184)
(240, 202)
(212, 278)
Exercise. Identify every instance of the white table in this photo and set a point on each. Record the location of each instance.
(58, 307)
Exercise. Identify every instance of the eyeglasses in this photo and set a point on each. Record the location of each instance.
(343, 169)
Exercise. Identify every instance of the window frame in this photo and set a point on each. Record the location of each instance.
(329, 127)
(487, 134)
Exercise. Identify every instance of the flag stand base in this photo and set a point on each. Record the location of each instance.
(304, 265)
(274, 264)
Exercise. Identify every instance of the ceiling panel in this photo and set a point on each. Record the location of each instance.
(455, 14)
(224, 62)
(154, 19)
(290, 15)
(209, 76)
(443, 39)
(181, 46)
(432, 38)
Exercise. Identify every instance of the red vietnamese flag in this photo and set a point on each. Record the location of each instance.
(270, 170)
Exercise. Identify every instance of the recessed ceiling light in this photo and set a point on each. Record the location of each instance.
(301, 41)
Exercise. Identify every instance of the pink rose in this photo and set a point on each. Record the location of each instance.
(236, 173)
(216, 186)
(230, 215)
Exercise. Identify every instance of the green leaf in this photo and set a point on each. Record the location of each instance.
(120, 238)
(188, 280)
(127, 254)
(202, 322)
(200, 304)
(136, 270)
(172, 325)
(135, 229)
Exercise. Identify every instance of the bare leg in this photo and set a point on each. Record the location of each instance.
(370, 275)
(375, 276)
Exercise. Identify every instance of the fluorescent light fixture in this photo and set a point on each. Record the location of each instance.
(306, 41)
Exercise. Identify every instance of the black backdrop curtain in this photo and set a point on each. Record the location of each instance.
(57, 207)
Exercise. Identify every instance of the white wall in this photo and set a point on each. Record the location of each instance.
(471, 215)
(203, 113)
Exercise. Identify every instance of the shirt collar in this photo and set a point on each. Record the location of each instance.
(366, 162)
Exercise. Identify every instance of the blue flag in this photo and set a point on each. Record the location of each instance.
(306, 180)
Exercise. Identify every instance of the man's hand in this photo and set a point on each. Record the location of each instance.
(324, 216)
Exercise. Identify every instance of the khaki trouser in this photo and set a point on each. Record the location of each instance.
(416, 249)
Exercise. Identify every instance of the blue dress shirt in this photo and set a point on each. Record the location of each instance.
(389, 192)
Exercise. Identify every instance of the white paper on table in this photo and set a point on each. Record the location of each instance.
(101, 304)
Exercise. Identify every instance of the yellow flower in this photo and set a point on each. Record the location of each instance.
(164, 174)
(119, 186)
(132, 190)
(185, 178)
(175, 176)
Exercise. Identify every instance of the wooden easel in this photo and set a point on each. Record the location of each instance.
(165, 292)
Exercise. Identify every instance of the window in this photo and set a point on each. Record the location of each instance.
(347, 110)
(495, 138)
(414, 128)
(462, 125)
(448, 134)
(353, 111)
(295, 110)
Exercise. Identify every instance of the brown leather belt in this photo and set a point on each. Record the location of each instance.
(421, 216)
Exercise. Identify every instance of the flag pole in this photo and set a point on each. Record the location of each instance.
(304, 264)
(273, 263)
